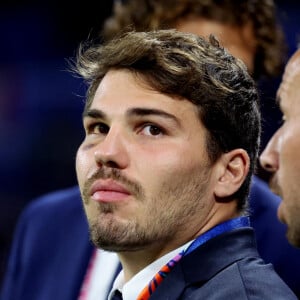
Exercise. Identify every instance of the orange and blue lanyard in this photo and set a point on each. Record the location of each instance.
(166, 269)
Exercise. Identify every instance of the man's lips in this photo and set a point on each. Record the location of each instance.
(274, 186)
(108, 191)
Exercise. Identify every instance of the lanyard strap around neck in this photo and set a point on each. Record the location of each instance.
(217, 230)
(166, 269)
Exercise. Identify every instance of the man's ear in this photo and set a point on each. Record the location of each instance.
(232, 170)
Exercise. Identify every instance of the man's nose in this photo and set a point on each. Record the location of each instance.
(269, 159)
(112, 151)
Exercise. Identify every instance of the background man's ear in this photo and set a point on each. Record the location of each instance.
(232, 171)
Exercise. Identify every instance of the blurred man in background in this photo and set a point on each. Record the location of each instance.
(281, 156)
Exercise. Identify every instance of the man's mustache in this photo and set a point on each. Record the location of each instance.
(115, 174)
(274, 185)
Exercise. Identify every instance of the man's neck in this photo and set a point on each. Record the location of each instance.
(135, 261)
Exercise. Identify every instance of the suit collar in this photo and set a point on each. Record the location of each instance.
(206, 261)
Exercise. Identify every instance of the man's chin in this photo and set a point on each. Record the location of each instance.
(292, 223)
(112, 234)
(115, 245)
(293, 237)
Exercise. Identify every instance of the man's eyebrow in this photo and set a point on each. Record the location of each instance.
(151, 111)
(136, 111)
(94, 113)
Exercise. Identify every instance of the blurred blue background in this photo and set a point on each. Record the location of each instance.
(41, 102)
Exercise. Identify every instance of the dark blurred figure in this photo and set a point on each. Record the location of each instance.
(39, 103)
(280, 157)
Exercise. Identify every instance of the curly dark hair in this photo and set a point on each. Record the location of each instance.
(143, 15)
(187, 66)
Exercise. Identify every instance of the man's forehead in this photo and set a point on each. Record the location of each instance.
(293, 66)
(121, 92)
(291, 79)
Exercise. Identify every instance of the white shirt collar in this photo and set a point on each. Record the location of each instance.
(131, 289)
(99, 278)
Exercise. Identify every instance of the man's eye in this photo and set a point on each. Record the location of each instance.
(98, 128)
(152, 130)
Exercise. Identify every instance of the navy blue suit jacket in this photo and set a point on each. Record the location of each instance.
(226, 267)
(50, 251)
(51, 248)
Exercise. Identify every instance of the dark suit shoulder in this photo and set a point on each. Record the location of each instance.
(271, 238)
(227, 266)
(50, 251)
(60, 199)
(248, 279)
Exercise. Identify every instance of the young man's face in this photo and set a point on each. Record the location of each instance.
(281, 156)
(239, 41)
(143, 168)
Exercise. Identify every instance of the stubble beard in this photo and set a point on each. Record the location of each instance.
(293, 224)
(293, 237)
(161, 221)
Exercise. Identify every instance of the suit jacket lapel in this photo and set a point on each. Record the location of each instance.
(206, 261)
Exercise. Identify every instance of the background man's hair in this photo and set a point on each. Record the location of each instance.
(143, 15)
